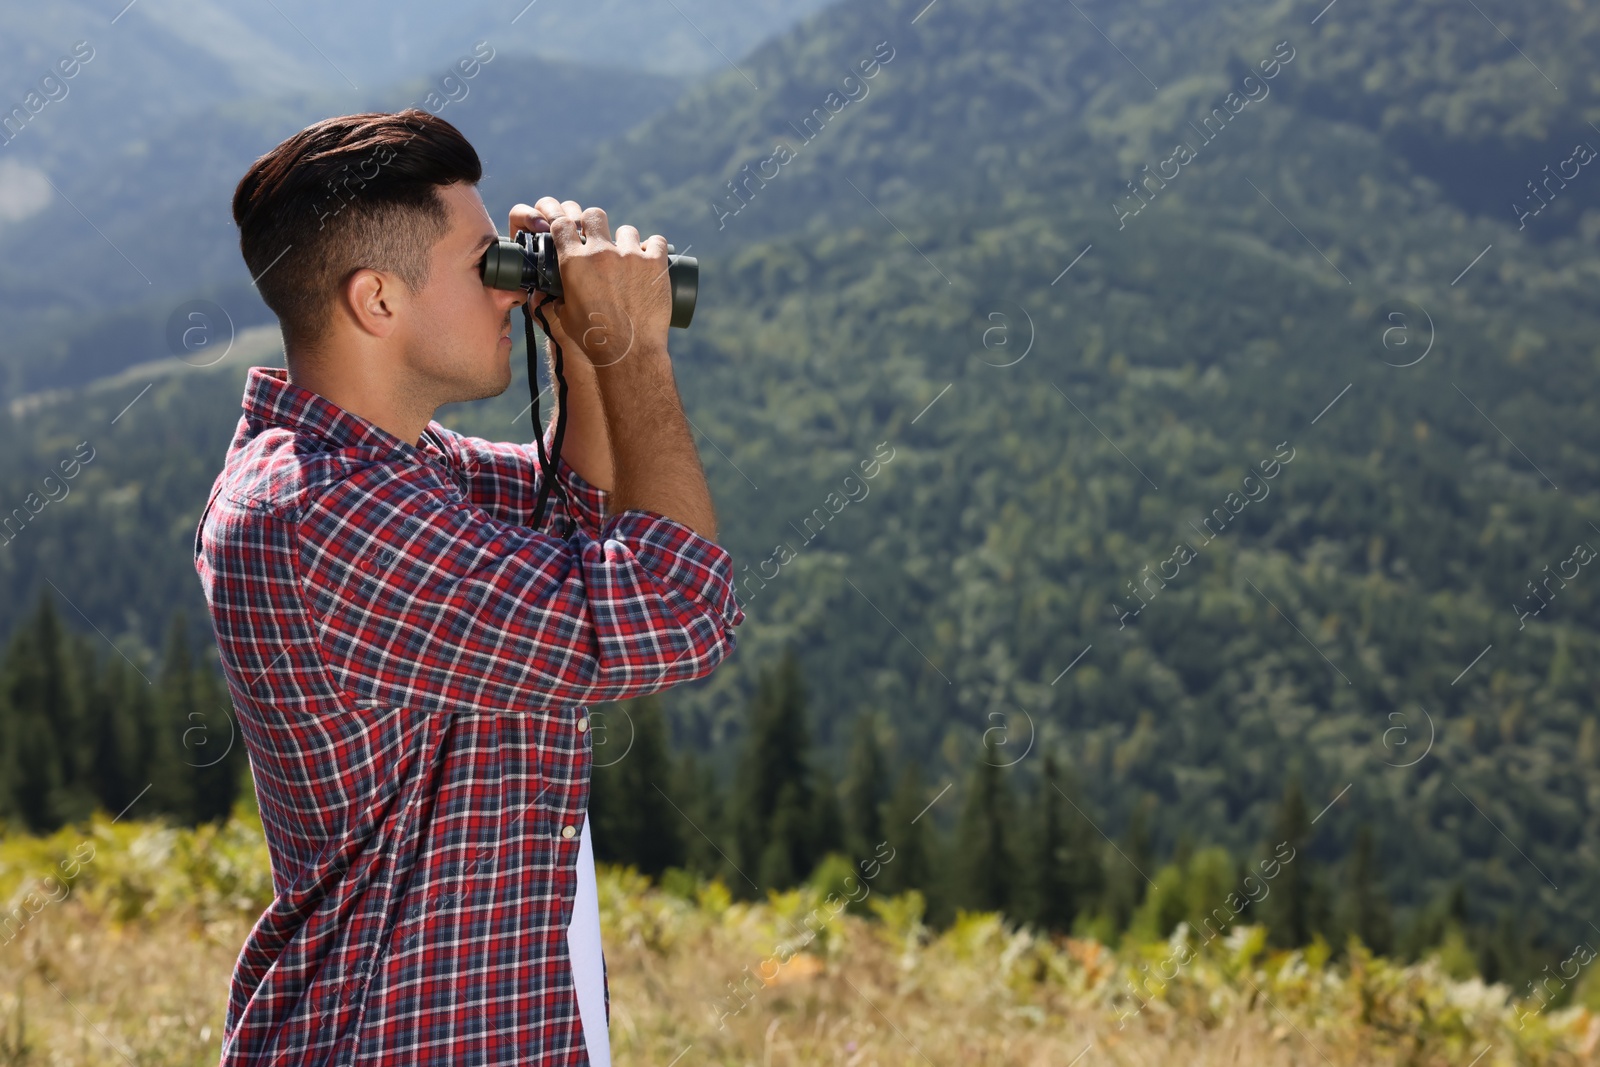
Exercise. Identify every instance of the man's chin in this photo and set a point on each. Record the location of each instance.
(503, 376)
(470, 389)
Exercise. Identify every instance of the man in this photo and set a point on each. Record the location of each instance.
(410, 661)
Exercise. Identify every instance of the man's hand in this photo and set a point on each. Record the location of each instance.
(616, 296)
(586, 447)
(617, 303)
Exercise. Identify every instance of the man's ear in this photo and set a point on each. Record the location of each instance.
(373, 299)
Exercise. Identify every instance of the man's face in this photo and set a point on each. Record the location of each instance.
(458, 340)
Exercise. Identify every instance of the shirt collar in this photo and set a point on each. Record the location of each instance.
(271, 399)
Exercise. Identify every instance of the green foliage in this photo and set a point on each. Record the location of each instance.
(1127, 880)
(85, 735)
(1062, 864)
(1293, 909)
(694, 792)
(915, 857)
(985, 847)
(865, 790)
(777, 827)
(1164, 906)
(131, 869)
(631, 820)
(1364, 911)
(836, 879)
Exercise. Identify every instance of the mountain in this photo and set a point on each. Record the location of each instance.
(173, 98)
(147, 62)
(686, 37)
(87, 295)
(1226, 392)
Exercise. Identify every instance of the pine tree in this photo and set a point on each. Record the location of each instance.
(1441, 929)
(50, 785)
(1433, 924)
(11, 815)
(778, 866)
(1290, 911)
(986, 864)
(115, 734)
(1127, 872)
(136, 697)
(1511, 951)
(1064, 872)
(906, 828)
(172, 730)
(1364, 910)
(80, 672)
(824, 832)
(36, 785)
(213, 747)
(634, 821)
(865, 791)
(1210, 881)
(776, 803)
(707, 844)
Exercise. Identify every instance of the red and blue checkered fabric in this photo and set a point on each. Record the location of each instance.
(410, 664)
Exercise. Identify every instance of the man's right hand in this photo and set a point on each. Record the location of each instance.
(617, 305)
(616, 296)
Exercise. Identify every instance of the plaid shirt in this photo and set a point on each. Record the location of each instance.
(410, 665)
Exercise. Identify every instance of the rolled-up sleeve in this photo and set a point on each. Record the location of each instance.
(504, 477)
(422, 597)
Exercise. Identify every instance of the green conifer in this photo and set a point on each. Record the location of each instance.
(49, 786)
(708, 845)
(776, 806)
(1292, 910)
(175, 722)
(1364, 908)
(866, 788)
(633, 822)
(985, 851)
(1063, 857)
(1128, 869)
(906, 828)
(213, 746)
(114, 735)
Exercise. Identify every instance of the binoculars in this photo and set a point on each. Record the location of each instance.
(529, 262)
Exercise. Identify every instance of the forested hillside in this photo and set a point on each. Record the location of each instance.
(1300, 288)
(1240, 408)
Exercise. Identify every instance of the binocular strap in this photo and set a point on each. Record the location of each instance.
(551, 475)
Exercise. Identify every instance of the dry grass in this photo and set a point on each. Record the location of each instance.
(80, 989)
(89, 993)
(133, 966)
(877, 993)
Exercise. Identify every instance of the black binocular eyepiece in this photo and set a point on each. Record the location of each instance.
(529, 262)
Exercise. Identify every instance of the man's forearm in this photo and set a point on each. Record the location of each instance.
(586, 444)
(657, 464)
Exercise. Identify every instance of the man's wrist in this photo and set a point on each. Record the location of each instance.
(640, 359)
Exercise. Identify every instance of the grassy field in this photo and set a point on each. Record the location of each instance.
(117, 942)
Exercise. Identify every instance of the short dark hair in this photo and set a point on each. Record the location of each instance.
(345, 193)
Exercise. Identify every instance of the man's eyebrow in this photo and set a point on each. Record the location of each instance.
(484, 242)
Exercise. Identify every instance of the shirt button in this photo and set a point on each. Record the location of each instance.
(583, 724)
(568, 830)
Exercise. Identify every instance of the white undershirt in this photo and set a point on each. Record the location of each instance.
(583, 945)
